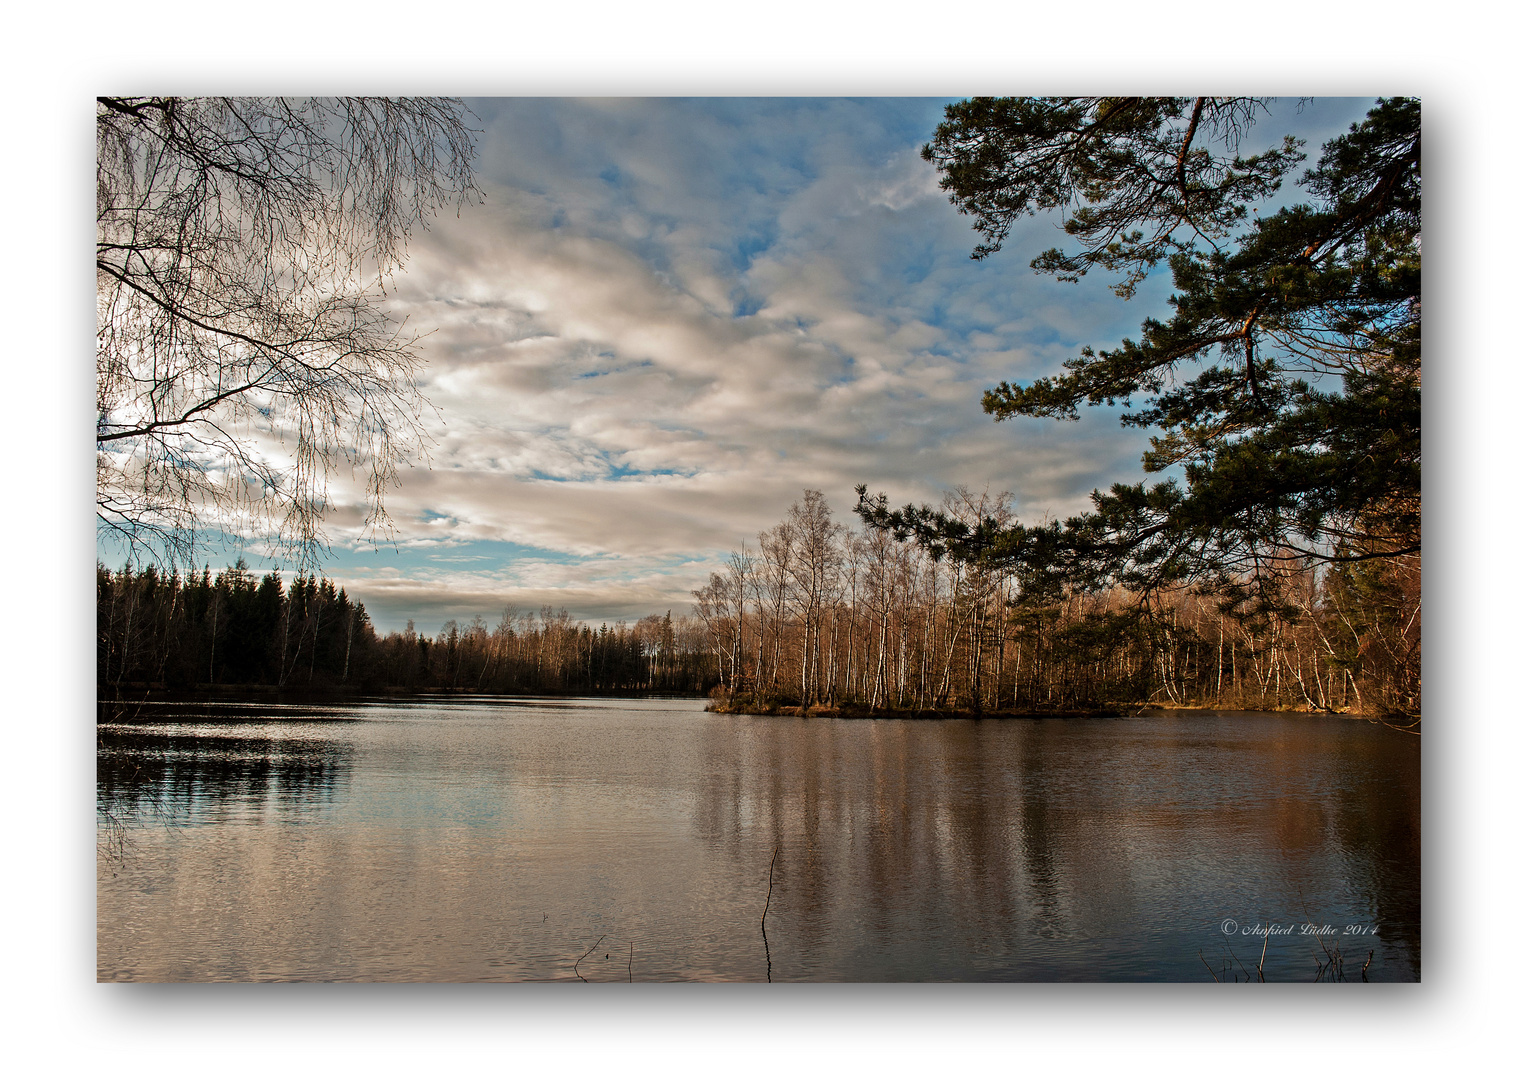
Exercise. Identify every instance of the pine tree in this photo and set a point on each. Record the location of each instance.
(1285, 385)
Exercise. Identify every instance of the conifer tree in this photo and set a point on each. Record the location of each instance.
(1285, 384)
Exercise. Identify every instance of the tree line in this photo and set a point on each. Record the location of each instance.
(817, 615)
(195, 632)
(821, 615)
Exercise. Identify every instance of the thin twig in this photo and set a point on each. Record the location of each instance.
(1409, 729)
(629, 961)
(1260, 967)
(1214, 974)
(1236, 960)
(588, 951)
(768, 963)
(771, 888)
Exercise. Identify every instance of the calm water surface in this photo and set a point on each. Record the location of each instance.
(486, 840)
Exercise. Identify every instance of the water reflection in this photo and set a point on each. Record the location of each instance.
(499, 840)
(186, 774)
(1111, 849)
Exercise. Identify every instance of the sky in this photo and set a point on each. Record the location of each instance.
(670, 317)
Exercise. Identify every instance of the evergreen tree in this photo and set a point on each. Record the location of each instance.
(1285, 384)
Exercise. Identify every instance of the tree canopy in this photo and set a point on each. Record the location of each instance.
(1285, 383)
(242, 351)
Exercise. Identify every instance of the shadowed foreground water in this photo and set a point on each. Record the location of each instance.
(488, 840)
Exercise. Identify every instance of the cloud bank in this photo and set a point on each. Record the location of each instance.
(669, 317)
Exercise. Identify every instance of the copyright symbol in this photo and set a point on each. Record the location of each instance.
(1230, 927)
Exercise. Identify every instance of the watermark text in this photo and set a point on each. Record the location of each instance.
(1233, 927)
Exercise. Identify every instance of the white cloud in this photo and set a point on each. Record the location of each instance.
(668, 318)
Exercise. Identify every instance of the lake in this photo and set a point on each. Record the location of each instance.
(468, 840)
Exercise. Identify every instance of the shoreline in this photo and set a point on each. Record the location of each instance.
(232, 694)
(221, 695)
(1126, 710)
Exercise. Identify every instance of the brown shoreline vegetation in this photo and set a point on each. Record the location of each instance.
(821, 620)
(1132, 710)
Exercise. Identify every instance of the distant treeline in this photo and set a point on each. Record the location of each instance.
(818, 615)
(822, 615)
(186, 632)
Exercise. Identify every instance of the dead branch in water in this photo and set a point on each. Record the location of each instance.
(768, 965)
(588, 951)
(771, 890)
(1214, 974)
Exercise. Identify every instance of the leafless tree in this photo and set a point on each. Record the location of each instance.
(777, 549)
(815, 573)
(715, 603)
(741, 571)
(243, 354)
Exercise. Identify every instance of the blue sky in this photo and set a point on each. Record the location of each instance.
(671, 316)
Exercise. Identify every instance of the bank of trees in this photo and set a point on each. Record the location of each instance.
(815, 613)
(236, 629)
(819, 614)
(549, 651)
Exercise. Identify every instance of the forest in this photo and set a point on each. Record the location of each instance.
(817, 616)
(821, 614)
(196, 633)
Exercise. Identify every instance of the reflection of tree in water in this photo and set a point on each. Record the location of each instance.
(1377, 824)
(912, 827)
(956, 822)
(915, 840)
(171, 775)
(1040, 830)
(1334, 808)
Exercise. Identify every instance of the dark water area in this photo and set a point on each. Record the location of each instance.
(490, 840)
